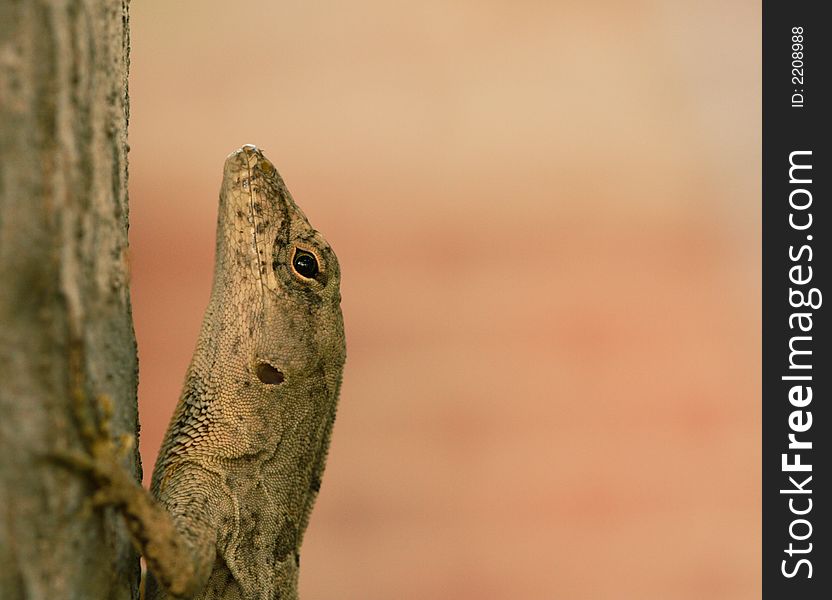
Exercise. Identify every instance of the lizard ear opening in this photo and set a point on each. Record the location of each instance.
(268, 374)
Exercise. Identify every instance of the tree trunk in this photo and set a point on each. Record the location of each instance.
(65, 321)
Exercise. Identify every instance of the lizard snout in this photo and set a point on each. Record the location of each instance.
(248, 162)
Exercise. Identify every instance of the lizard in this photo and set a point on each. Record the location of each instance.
(242, 459)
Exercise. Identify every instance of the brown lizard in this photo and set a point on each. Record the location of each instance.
(242, 460)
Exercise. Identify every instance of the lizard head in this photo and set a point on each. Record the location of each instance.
(280, 279)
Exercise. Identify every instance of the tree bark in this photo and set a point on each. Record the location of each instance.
(65, 319)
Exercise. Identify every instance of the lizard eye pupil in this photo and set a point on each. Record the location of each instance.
(305, 264)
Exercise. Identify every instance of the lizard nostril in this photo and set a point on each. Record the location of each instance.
(268, 374)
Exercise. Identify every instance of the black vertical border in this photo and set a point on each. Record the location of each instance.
(787, 129)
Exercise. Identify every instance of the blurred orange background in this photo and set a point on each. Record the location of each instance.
(548, 220)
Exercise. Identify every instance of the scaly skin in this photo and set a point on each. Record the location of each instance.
(243, 456)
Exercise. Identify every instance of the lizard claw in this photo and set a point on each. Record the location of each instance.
(72, 459)
(102, 454)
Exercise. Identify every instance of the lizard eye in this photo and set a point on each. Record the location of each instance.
(305, 264)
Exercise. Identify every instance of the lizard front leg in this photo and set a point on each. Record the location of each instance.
(178, 539)
(182, 546)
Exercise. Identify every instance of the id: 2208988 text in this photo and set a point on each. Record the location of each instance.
(797, 67)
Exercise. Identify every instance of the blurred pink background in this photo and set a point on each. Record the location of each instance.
(548, 220)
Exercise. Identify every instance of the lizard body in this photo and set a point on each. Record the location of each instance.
(243, 456)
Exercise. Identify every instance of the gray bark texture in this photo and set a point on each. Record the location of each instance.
(66, 333)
